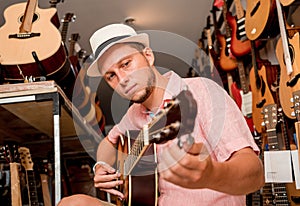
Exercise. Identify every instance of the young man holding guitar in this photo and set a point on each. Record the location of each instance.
(218, 162)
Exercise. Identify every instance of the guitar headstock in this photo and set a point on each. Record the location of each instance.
(177, 118)
(10, 153)
(296, 102)
(270, 116)
(69, 17)
(25, 157)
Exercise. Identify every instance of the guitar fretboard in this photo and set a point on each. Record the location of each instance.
(32, 191)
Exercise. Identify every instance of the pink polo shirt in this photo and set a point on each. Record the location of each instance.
(219, 124)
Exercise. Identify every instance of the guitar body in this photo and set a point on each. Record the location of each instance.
(238, 47)
(288, 83)
(46, 44)
(260, 20)
(286, 2)
(140, 187)
(227, 62)
(260, 96)
(236, 93)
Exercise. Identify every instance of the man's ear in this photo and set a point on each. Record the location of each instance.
(148, 53)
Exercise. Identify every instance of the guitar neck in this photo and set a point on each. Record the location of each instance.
(243, 79)
(64, 31)
(28, 16)
(31, 186)
(16, 199)
(240, 13)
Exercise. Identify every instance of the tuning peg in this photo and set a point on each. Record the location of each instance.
(292, 100)
(293, 114)
(263, 124)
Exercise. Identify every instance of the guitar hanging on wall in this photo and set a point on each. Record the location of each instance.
(31, 43)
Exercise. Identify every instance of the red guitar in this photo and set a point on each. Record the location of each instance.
(227, 60)
(240, 45)
(31, 43)
(243, 96)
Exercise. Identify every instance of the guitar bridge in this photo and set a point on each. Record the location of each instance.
(23, 35)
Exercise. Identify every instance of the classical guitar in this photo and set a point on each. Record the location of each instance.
(138, 168)
(279, 191)
(11, 154)
(31, 43)
(261, 21)
(243, 96)
(27, 163)
(261, 93)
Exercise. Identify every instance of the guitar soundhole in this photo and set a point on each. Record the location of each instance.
(255, 8)
(35, 17)
(292, 54)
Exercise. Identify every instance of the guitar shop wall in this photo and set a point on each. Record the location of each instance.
(255, 53)
(240, 48)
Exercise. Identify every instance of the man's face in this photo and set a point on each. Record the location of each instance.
(128, 72)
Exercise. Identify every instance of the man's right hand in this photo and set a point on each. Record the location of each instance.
(107, 179)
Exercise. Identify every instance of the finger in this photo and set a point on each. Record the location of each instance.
(114, 192)
(104, 169)
(108, 185)
(106, 177)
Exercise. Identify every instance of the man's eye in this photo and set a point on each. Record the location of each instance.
(110, 76)
(125, 64)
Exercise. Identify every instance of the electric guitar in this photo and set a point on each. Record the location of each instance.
(240, 45)
(27, 163)
(243, 96)
(261, 21)
(138, 168)
(227, 60)
(31, 43)
(261, 93)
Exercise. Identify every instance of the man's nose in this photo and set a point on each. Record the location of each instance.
(123, 77)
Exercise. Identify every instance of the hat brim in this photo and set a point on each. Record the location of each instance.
(94, 71)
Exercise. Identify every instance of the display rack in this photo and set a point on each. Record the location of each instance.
(43, 110)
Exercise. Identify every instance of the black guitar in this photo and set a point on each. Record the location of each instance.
(27, 163)
(139, 167)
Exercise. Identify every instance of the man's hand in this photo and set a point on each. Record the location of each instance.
(188, 167)
(107, 179)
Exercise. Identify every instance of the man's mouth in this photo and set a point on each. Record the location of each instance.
(130, 89)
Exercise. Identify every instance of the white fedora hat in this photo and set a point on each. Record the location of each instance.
(108, 36)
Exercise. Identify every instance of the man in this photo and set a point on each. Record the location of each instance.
(219, 168)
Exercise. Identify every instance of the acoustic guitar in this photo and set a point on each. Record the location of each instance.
(279, 190)
(31, 43)
(286, 2)
(287, 53)
(138, 167)
(261, 21)
(261, 93)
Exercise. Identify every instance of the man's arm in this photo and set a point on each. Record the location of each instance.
(241, 174)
